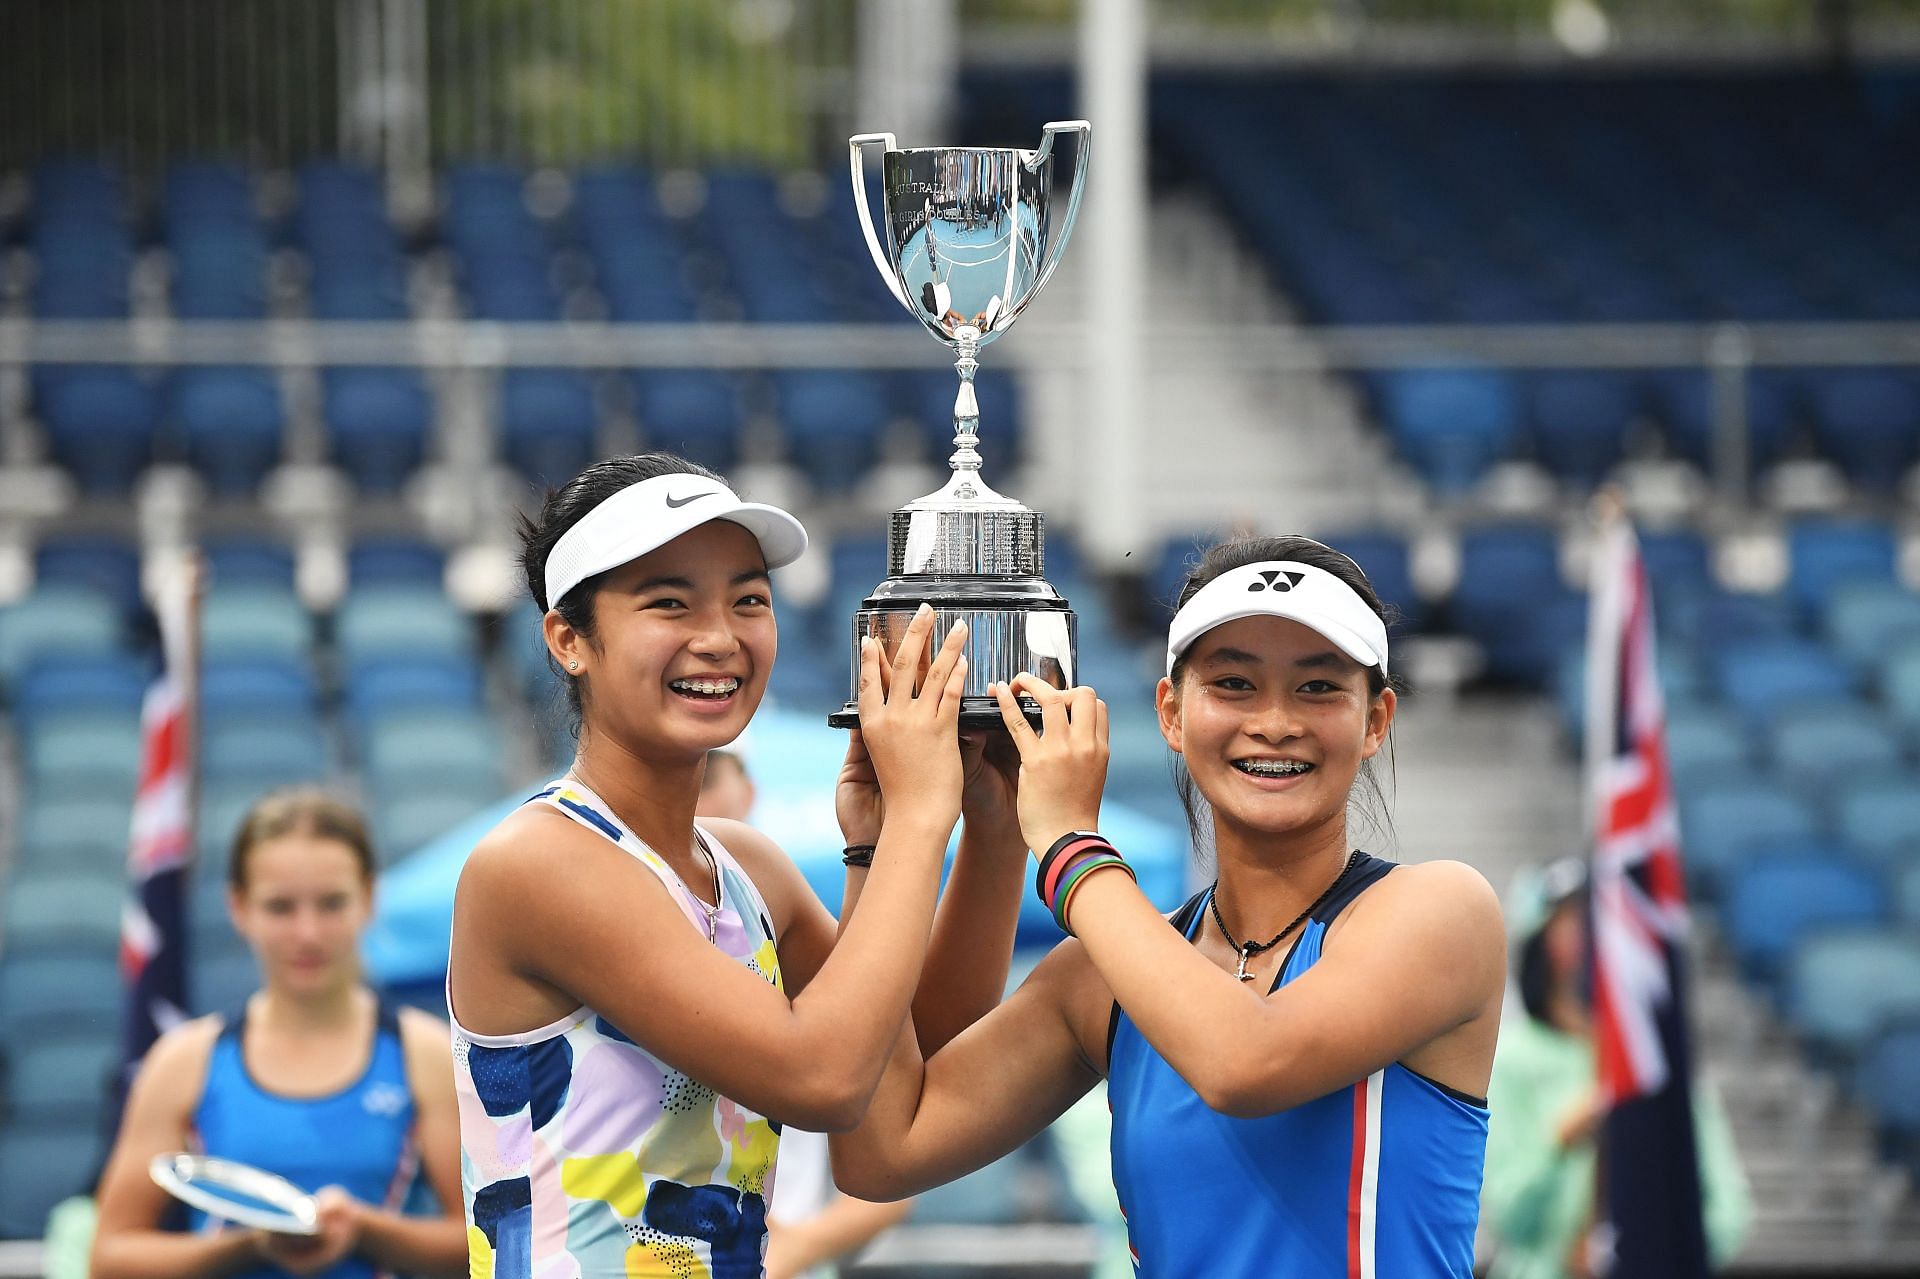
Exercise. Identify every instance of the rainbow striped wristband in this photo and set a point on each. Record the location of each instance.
(1068, 864)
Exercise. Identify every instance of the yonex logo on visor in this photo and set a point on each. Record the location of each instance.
(646, 516)
(1299, 592)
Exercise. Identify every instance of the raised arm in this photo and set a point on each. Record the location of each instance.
(1420, 955)
(128, 1242)
(566, 910)
(996, 1085)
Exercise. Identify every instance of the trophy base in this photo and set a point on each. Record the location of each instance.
(976, 713)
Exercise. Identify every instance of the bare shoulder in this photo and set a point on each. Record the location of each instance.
(1449, 892)
(174, 1071)
(521, 854)
(426, 1043)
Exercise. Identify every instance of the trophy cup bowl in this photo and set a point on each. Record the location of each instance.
(971, 240)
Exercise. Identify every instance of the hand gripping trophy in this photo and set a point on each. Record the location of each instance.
(970, 242)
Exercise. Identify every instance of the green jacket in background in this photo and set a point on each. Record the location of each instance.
(1538, 1197)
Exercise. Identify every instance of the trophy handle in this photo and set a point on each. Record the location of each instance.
(1083, 133)
(857, 145)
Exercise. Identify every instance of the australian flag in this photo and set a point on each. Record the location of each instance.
(1648, 1215)
(153, 919)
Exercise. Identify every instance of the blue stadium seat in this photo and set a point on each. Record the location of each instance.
(257, 686)
(74, 910)
(1510, 597)
(1898, 677)
(1888, 1080)
(458, 746)
(381, 687)
(59, 988)
(1841, 985)
(833, 421)
(1776, 901)
(1687, 412)
(1760, 677)
(1706, 743)
(222, 983)
(1879, 817)
(237, 560)
(43, 1161)
(1825, 554)
(62, 1074)
(857, 564)
(377, 424)
(386, 619)
(1581, 421)
(1451, 424)
(695, 413)
(1865, 620)
(100, 423)
(1713, 618)
(58, 686)
(1678, 565)
(406, 822)
(1387, 561)
(264, 755)
(56, 622)
(106, 564)
(1816, 746)
(1722, 821)
(84, 748)
(254, 621)
(1906, 896)
(231, 422)
(395, 561)
(547, 423)
(79, 823)
(1868, 421)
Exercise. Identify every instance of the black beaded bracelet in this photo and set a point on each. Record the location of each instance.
(857, 855)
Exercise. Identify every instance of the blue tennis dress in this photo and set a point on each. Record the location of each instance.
(360, 1138)
(1380, 1180)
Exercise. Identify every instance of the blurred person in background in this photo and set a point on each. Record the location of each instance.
(1547, 1106)
(809, 1223)
(1296, 1060)
(315, 1079)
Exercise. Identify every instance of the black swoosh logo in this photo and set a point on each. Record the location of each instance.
(674, 502)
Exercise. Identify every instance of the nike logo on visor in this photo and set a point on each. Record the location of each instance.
(674, 502)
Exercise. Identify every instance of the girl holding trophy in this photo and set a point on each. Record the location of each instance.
(640, 1001)
(1297, 1060)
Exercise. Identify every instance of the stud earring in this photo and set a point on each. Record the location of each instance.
(573, 666)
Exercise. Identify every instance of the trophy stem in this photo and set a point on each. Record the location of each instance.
(966, 406)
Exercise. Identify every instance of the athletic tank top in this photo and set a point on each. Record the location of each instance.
(1381, 1178)
(583, 1155)
(360, 1138)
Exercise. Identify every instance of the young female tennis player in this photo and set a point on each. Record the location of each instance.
(314, 1079)
(1297, 1061)
(640, 1002)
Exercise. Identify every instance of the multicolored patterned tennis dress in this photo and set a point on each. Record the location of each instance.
(584, 1156)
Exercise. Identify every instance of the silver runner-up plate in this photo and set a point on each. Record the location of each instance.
(237, 1192)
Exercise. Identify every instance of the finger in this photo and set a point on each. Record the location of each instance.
(885, 667)
(1081, 713)
(953, 693)
(1100, 721)
(951, 653)
(872, 694)
(1013, 717)
(1053, 704)
(906, 662)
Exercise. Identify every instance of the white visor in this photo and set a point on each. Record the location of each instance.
(1299, 592)
(647, 515)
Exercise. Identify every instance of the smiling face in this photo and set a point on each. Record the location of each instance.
(1273, 722)
(302, 906)
(683, 641)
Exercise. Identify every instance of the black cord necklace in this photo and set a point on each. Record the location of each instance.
(1248, 949)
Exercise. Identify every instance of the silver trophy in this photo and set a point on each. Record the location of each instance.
(969, 244)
